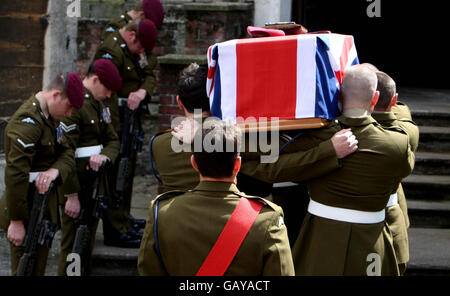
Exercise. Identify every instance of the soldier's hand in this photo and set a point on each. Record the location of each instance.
(344, 143)
(44, 179)
(16, 232)
(135, 98)
(96, 160)
(72, 207)
(186, 130)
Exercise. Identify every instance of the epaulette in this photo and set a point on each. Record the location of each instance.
(170, 194)
(395, 128)
(258, 199)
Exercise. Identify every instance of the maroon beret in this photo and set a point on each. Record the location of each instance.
(108, 74)
(147, 34)
(154, 11)
(75, 89)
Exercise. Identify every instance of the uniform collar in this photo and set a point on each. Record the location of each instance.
(121, 42)
(384, 116)
(217, 186)
(42, 104)
(348, 121)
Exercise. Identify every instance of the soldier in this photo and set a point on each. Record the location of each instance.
(36, 152)
(96, 142)
(187, 224)
(173, 168)
(138, 82)
(346, 212)
(150, 9)
(396, 212)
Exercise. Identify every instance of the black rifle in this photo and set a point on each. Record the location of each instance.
(93, 206)
(40, 232)
(132, 139)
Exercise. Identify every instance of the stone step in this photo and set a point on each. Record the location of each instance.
(432, 163)
(429, 251)
(434, 138)
(429, 214)
(427, 187)
(429, 107)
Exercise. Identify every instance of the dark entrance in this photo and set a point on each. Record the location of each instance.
(408, 41)
(22, 31)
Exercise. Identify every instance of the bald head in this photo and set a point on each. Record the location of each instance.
(359, 88)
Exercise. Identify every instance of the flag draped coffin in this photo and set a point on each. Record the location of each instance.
(286, 77)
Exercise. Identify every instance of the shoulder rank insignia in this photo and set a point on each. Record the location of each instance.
(25, 145)
(107, 56)
(28, 120)
(67, 128)
(110, 29)
(123, 45)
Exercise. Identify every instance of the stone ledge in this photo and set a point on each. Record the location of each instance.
(182, 59)
(218, 6)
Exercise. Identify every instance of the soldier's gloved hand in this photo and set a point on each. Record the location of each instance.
(44, 179)
(186, 129)
(344, 143)
(135, 98)
(72, 207)
(16, 232)
(96, 160)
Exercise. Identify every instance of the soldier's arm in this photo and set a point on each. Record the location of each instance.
(295, 167)
(277, 252)
(411, 128)
(71, 129)
(23, 141)
(149, 82)
(112, 145)
(148, 261)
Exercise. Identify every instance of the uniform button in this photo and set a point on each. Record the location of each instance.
(122, 16)
(92, 121)
(128, 67)
(34, 104)
(115, 38)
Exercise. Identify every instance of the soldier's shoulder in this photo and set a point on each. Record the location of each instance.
(28, 115)
(170, 194)
(161, 138)
(266, 203)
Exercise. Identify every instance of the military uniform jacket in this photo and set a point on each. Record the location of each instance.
(190, 224)
(116, 24)
(32, 144)
(87, 127)
(364, 183)
(129, 66)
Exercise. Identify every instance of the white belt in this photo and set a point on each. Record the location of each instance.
(88, 151)
(33, 176)
(393, 200)
(284, 184)
(345, 215)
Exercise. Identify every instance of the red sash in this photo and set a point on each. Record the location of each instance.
(231, 238)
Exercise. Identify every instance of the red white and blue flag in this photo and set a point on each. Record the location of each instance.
(288, 77)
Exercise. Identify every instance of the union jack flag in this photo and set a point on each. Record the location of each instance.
(289, 77)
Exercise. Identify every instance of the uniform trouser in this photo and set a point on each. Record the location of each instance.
(116, 220)
(70, 226)
(40, 263)
(294, 202)
(68, 233)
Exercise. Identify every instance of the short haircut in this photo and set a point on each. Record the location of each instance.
(133, 26)
(217, 161)
(91, 70)
(191, 88)
(386, 87)
(57, 83)
(358, 87)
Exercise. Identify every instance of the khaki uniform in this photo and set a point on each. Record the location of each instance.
(32, 144)
(86, 127)
(364, 183)
(189, 225)
(397, 215)
(136, 73)
(116, 24)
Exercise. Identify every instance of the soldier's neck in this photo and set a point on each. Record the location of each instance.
(355, 113)
(42, 103)
(231, 179)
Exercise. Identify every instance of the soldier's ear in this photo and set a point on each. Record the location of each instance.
(394, 100)
(194, 163)
(180, 104)
(237, 165)
(375, 99)
(57, 93)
